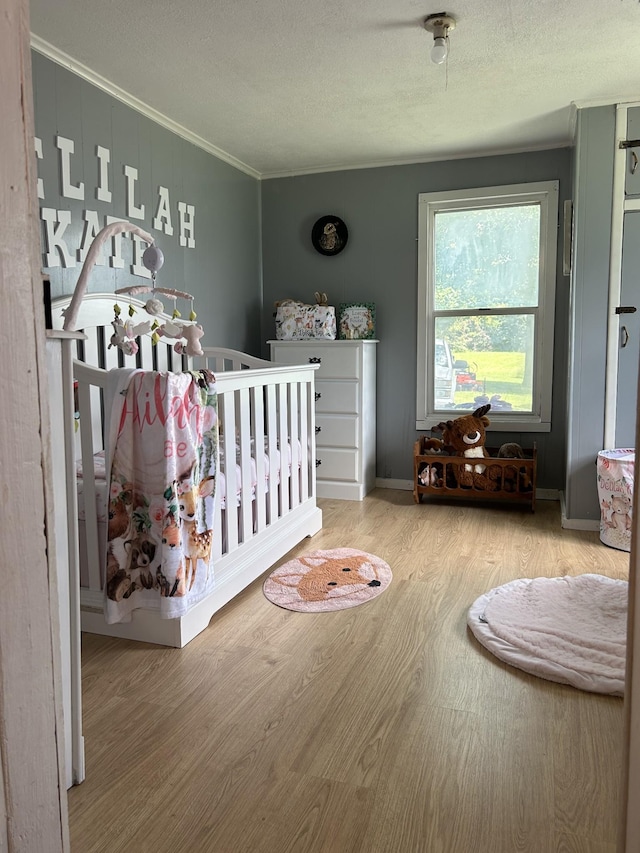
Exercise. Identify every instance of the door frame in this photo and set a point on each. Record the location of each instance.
(620, 206)
(629, 823)
(33, 799)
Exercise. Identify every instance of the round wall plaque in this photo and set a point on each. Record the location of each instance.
(329, 235)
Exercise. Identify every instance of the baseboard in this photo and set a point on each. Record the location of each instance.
(404, 485)
(547, 495)
(576, 523)
(335, 490)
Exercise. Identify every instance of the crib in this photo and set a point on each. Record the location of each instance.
(266, 502)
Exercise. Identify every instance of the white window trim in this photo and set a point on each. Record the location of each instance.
(546, 194)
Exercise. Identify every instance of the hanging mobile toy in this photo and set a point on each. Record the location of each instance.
(124, 333)
(186, 335)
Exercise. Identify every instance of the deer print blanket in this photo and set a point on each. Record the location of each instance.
(163, 456)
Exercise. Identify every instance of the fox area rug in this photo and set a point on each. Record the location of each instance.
(327, 580)
(567, 629)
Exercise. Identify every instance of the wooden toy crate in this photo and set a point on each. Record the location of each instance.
(516, 480)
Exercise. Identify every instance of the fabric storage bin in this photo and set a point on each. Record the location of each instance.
(615, 473)
(299, 322)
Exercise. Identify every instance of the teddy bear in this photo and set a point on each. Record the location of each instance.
(465, 436)
(192, 334)
(620, 513)
(514, 479)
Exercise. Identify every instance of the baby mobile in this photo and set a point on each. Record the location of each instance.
(186, 334)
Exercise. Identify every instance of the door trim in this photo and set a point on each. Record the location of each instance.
(615, 278)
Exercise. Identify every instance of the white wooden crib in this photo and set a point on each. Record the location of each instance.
(267, 500)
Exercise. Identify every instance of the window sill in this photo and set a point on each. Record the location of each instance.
(498, 423)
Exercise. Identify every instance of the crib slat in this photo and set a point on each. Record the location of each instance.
(111, 358)
(89, 489)
(162, 357)
(218, 547)
(174, 361)
(257, 415)
(283, 440)
(272, 451)
(92, 351)
(146, 353)
(304, 444)
(94, 419)
(229, 456)
(246, 476)
(294, 446)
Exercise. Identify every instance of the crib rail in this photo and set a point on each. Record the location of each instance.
(219, 359)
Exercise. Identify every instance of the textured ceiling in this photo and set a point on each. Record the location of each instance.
(293, 86)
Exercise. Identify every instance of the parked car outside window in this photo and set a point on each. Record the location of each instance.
(445, 376)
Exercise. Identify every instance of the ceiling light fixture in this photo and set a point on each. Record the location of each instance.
(439, 24)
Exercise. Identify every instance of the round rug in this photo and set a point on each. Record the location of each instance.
(571, 629)
(327, 580)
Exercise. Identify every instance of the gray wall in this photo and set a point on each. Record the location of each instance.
(223, 270)
(593, 181)
(379, 264)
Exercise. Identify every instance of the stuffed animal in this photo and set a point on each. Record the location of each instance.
(191, 332)
(514, 478)
(465, 436)
(430, 475)
(170, 330)
(192, 335)
(620, 513)
(124, 335)
(433, 445)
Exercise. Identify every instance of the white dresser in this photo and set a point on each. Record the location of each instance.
(345, 412)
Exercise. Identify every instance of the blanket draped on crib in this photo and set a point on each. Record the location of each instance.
(162, 454)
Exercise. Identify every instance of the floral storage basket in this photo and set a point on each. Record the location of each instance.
(615, 472)
(299, 322)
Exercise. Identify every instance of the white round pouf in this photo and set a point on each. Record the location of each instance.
(570, 629)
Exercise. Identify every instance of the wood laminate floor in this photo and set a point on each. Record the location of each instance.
(385, 728)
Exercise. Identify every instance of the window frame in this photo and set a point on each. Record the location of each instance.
(543, 193)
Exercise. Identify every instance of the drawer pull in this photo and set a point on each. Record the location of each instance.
(318, 429)
(318, 395)
(318, 462)
(315, 360)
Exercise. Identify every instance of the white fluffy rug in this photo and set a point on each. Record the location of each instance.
(571, 629)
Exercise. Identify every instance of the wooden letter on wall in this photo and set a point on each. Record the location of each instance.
(103, 193)
(69, 190)
(56, 222)
(187, 214)
(133, 212)
(162, 219)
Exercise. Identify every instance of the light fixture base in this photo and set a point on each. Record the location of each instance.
(439, 24)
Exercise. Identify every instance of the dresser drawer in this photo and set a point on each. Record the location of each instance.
(337, 464)
(340, 397)
(336, 431)
(337, 361)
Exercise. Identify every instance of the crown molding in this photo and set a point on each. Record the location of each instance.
(381, 164)
(606, 102)
(61, 58)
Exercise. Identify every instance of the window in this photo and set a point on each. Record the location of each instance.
(486, 298)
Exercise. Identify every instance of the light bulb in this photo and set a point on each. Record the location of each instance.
(439, 50)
